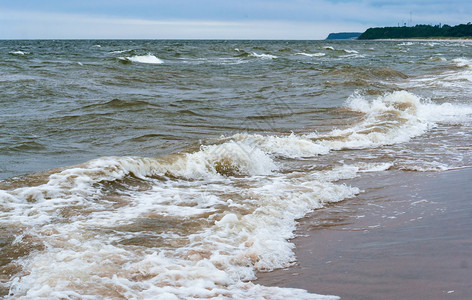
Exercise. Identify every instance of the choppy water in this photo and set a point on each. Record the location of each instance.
(178, 169)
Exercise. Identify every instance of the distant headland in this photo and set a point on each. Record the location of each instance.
(344, 36)
(418, 31)
(407, 32)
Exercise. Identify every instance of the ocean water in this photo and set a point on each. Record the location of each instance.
(179, 169)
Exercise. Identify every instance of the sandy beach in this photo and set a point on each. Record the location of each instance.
(407, 236)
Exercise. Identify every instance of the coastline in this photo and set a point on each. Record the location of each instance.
(407, 236)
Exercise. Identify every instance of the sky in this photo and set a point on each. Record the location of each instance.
(217, 19)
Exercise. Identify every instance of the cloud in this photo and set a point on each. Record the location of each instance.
(40, 25)
(217, 19)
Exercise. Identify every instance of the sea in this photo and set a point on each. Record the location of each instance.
(179, 169)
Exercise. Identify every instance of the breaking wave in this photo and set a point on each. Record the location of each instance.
(143, 59)
(19, 53)
(263, 56)
(226, 195)
(197, 224)
(319, 54)
(388, 119)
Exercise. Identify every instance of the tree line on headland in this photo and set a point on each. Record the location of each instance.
(418, 31)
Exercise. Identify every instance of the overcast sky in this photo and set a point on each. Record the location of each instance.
(217, 19)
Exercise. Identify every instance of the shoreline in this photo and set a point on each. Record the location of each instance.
(407, 236)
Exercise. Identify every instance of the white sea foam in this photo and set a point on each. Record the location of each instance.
(230, 158)
(433, 44)
(456, 79)
(249, 232)
(200, 224)
(19, 53)
(351, 51)
(373, 167)
(145, 59)
(353, 56)
(446, 113)
(206, 221)
(463, 62)
(243, 211)
(294, 146)
(459, 78)
(389, 119)
(120, 51)
(319, 54)
(217, 61)
(263, 56)
(75, 186)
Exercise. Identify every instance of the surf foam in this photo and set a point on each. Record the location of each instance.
(145, 59)
(19, 53)
(319, 54)
(389, 119)
(197, 224)
(239, 226)
(263, 56)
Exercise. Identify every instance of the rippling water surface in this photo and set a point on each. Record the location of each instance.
(138, 169)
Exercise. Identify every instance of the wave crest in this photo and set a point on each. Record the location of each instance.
(143, 59)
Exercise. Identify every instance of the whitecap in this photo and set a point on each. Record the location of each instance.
(263, 56)
(390, 119)
(319, 54)
(462, 62)
(120, 51)
(353, 55)
(293, 146)
(145, 59)
(19, 53)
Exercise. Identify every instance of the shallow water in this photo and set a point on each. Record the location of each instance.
(179, 168)
(407, 236)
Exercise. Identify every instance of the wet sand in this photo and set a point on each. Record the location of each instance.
(407, 236)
